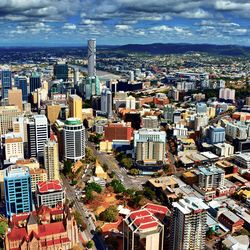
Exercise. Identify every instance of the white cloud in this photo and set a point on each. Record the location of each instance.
(69, 26)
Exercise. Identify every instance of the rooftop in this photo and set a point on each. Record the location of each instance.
(73, 121)
(49, 186)
(14, 171)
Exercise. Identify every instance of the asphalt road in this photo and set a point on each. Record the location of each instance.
(70, 194)
(121, 173)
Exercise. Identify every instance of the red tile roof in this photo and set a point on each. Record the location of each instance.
(143, 219)
(17, 234)
(49, 186)
(156, 209)
(52, 228)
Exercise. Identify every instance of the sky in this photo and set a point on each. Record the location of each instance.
(116, 22)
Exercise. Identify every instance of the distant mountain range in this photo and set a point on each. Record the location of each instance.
(181, 48)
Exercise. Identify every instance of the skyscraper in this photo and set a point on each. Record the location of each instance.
(51, 158)
(107, 102)
(91, 87)
(23, 85)
(17, 188)
(61, 71)
(6, 82)
(91, 57)
(74, 139)
(75, 106)
(35, 82)
(188, 226)
(37, 135)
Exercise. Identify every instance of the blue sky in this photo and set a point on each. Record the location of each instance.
(72, 22)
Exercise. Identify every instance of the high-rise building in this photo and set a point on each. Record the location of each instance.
(74, 139)
(201, 108)
(142, 230)
(50, 193)
(53, 112)
(51, 158)
(188, 226)
(37, 129)
(107, 102)
(168, 112)
(216, 134)
(15, 98)
(17, 186)
(248, 101)
(227, 94)
(6, 83)
(37, 175)
(61, 71)
(35, 82)
(91, 87)
(91, 57)
(150, 150)
(150, 122)
(130, 102)
(211, 178)
(75, 106)
(7, 113)
(23, 85)
(13, 145)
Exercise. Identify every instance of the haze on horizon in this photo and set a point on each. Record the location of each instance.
(114, 22)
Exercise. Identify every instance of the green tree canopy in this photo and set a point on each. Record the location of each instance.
(110, 214)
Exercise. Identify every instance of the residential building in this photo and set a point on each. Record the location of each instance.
(142, 230)
(201, 108)
(243, 160)
(75, 106)
(211, 178)
(227, 94)
(6, 83)
(15, 98)
(50, 193)
(91, 57)
(216, 134)
(13, 145)
(51, 158)
(7, 113)
(130, 102)
(46, 228)
(188, 226)
(74, 139)
(17, 189)
(223, 149)
(237, 130)
(180, 131)
(150, 150)
(118, 131)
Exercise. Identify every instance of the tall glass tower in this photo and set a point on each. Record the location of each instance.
(6, 83)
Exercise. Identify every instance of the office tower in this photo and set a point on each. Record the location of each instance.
(150, 122)
(211, 178)
(15, 98)
(227, 94)
(35, 82)
(131, 75)
(23, 85)
(188, 226)
(216, 134)
(6, 83)
(92, 87)
(91, 57)
(51, 158)
(142, 230)
(201, 108)
(37, 175)
(53, 112)
(118, 131)
(107, 102)
(17, 186)
(200, 121)
(37, 135)
(74, 139)
(130, 102)
(76, 76)
(168, 113)
(75, 106)
(7, 113)
(150, 150)
(50, 193)
(61, 70)
(13, 145)
(20, 126)
(149, 134)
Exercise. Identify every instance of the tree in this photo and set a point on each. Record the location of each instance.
(67, 167)
(149, 193)
(134, 171)
(105, 167)
(90, 244)
(127, 162)
(95, 187)
(79, 220)
(117, 186)
(3, 227)
(110, 214)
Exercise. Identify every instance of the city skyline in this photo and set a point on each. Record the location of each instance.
(116, 22)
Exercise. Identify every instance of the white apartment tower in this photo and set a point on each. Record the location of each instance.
(91, 57)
